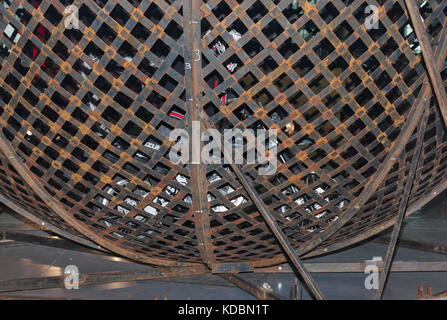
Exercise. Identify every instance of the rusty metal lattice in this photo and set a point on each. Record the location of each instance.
(86, 116)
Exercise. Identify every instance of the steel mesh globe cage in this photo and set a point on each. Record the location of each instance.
(87, 113)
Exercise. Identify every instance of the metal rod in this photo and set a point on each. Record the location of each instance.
(54, 242)
(250, 288)
(403, 204)
(200, 205)
(100, 278)
(429, 57)
(268, 217)
(415, 245)
(359, 267)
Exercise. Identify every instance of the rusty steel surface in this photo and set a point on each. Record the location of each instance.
(85, 118)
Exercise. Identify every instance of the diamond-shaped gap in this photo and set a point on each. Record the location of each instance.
(243, 112)
(277, 114)
(154, 13)
(389, 47)
(210, 109)
(127, 51)
(324, 48)
(329, 12)
(288, 48)
(53, 15)
(394, 94)
(179, 65)
(168, 83)
(140, 32)
(331, 99)
(395, 13)
(411, 77)
(248, 81)
(176, 113)
(364, 97)
(121, 144)
(42, 33)
(221, 11)
(228, 96)
(370, 65)
(164, 128)
(12, 81)
(156, 99)
(232, 63)
(214, 79)
(308, 31)
(400, 63)
(111, 156)
(283, 82)
(147, 67)
(252, 47)
(109, 114)
(305, 142)
(343, 31)
(238, 26)
(114, 68)
(325, 128)
(311, 114)
(263, 97)
(272, 30)
(356, 127)
(303, 66)
(318, 84)
(223, 124)
(160, 49)
(351, 82)
(357, 48)
(134, 84)
(293, 12)
(72, 86)
(73, 35)
(338, 66)
(174, 30)
(226, 189)
(268, 65)
(153, 143)
(132, 129)
(383, 80)
(120, 15)
(344, 114)
(140, 156)
(298, 99)
(376, 33)
(205, 27)
(257, 11)
(94, 52)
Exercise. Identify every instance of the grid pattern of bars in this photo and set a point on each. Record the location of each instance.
(90, 111)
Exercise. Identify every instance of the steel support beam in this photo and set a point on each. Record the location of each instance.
(403, 204)
(54, 242)
(359, 267)
(193, 63)
(100, 278)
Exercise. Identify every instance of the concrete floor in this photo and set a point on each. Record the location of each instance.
(23, 260)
